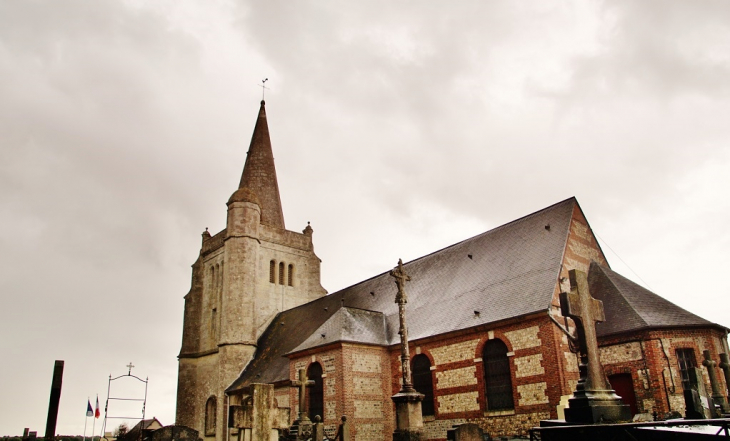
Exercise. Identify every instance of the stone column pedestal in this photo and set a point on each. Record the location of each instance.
(408, 418)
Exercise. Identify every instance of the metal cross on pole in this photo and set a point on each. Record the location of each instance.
(400, 276)
(263, 87)
(130, 366)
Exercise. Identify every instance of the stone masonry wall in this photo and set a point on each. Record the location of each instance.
(458, 378)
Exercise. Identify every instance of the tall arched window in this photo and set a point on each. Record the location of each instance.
(291, 275)
(281, 273)
(272, 272)
(423, 382)
(497, 376)
(210, 408)
(315, 393)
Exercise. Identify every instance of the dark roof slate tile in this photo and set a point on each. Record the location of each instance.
(507, 272)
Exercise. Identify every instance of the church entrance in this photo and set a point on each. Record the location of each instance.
(624, 387)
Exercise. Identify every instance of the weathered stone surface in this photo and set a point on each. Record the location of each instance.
(465, 432)
(456, 377)
(175, 433)
(524, 338)
(454, 352)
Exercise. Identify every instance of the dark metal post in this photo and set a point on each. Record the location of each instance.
(54, 400)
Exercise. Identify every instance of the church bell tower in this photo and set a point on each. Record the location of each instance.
(244, 276)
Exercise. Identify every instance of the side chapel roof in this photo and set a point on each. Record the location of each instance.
(630, 307)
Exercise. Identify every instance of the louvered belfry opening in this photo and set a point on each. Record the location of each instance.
(497, 376)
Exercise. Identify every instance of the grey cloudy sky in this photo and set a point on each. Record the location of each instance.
(398, 129)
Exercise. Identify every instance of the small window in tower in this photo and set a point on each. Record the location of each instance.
(217, 277)
(291, 275)
(272, 272)
(210, 410)
(281, 273)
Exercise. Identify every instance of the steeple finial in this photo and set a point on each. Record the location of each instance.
(263, 88)
(259, 173)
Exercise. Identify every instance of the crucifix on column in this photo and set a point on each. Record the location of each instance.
(400, 276)
(408, 419)
(302, 384)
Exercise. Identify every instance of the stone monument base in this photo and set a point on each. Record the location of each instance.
(408, 417)
(584, 411)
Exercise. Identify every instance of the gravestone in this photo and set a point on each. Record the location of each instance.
(258, 417)
(302, 429)
(725, 365)
(717, 397)
(593, 401)
(465, 432)
(175, 433)
(696, 400)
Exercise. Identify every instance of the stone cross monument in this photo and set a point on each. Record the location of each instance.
(725, 365)
(302, 427)
(717, 397)
(409, 420)
(593, 400)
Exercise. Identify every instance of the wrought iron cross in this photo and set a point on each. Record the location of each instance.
(400, 276)
(130, 366)
(263, 87)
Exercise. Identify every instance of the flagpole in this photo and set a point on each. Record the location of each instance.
(93, 426)
(86, 420)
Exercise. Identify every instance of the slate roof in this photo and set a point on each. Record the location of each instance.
(134, 433)
(349, 325)
(630, 307)
(259, 173)
(507, 272)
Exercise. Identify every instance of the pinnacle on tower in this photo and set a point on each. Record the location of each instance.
(259, 173)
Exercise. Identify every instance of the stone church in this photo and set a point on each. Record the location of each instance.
(488, 344)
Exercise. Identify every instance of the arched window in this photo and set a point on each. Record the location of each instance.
(281, 273)
(210, 408)
(423, 382)
(686, 361)
(272, 272)
(291, 275)
(315, 393)
(497, 377)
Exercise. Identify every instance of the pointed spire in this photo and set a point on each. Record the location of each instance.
(259, 173)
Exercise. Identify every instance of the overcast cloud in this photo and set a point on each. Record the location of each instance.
(398, 128)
